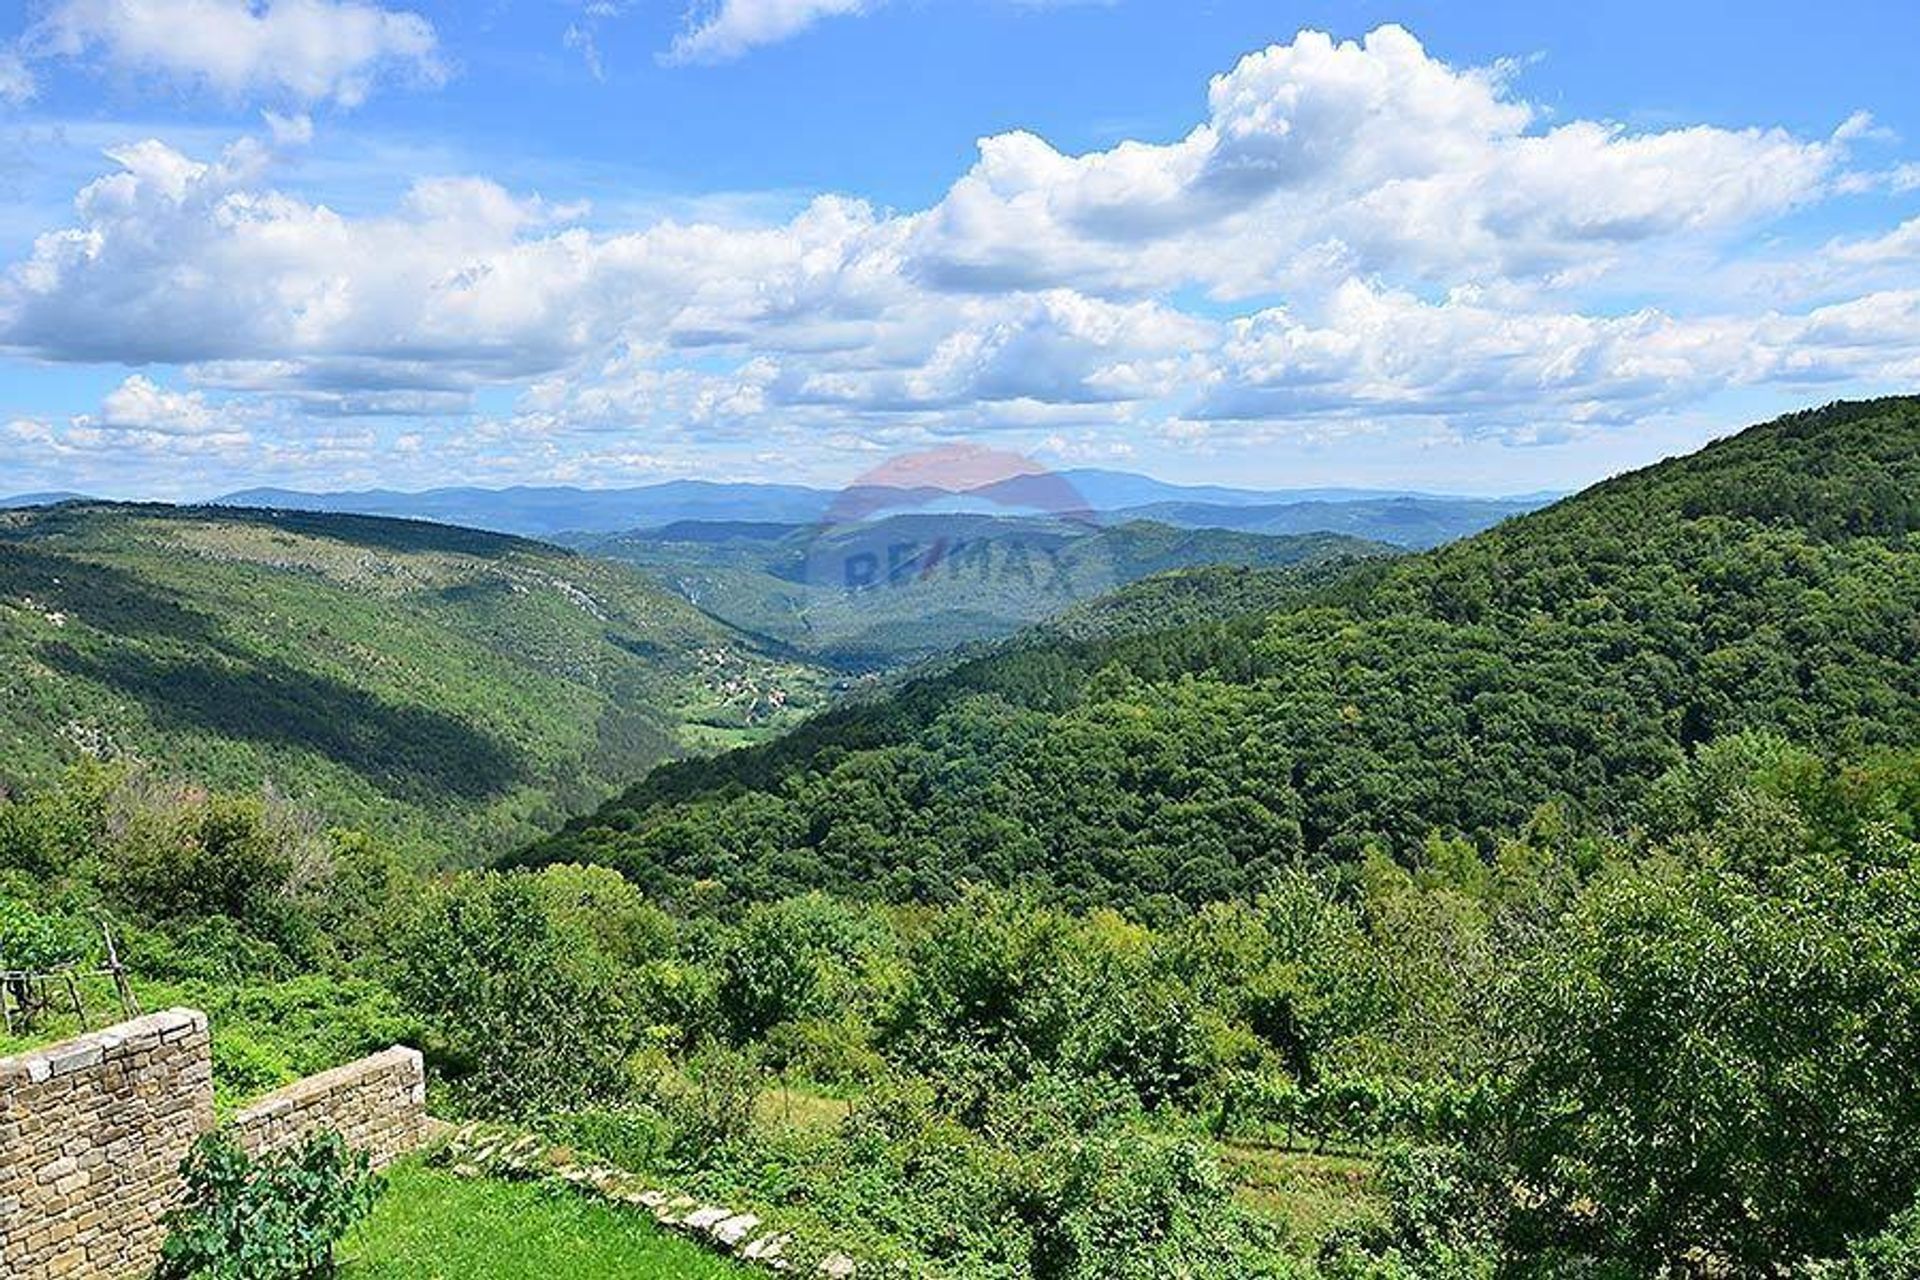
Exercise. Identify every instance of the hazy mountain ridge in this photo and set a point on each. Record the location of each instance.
(1413, 522)
(938, 581)
(1112, 496)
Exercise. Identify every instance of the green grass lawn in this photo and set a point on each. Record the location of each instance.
(431, 1225)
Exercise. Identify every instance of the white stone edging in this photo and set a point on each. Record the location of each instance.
(480, 1150)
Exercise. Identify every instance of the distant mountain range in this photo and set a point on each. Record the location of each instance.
(1413, 521)
(19, 500)
(902, 588)
(543, 512)
(1405, 518)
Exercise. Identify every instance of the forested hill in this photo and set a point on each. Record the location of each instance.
(1565, 658)
(457, 691)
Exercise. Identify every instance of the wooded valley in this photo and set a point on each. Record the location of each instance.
(1546, 904)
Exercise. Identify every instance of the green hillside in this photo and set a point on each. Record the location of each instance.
(939, 581)
(1581, 858)
(457, 691)
(1566, 657)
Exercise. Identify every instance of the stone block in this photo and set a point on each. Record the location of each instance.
(92, 1132)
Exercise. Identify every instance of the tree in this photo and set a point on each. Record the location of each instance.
(1717, 1064)
(522, 1016)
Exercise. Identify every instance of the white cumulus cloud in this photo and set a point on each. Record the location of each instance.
(1356, 232)
(141, 405)
(306, 51)
(1322, 159)
(142, 431)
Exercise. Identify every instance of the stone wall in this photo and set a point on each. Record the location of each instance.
(377, 1104)
(92, 1132)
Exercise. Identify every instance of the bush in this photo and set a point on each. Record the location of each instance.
(47, 835)
(274, 1218)
(1893, 1254)
(783, 960)
(1448, 1211)
(187, 855)
(1712, 1064)
(1155, 1037)
(633, 1137)
(710, 1106)
(36, 941)
(523, 1017)
(837, 1054)
(216, 949)
(1120, 1205)
(245, 1068)
(312, 1022)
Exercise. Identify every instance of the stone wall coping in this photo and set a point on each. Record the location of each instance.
(93, 1131)
(399, 1059)
(91, 1049)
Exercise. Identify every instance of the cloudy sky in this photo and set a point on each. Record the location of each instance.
(1487, 248)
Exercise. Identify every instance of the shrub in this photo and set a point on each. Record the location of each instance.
(1447, 1212)
(274, 1218)
(312, 1022)
(631, 1137)
(783, 960)
(1120, 1205)
(215, 949)
(36, 941)
(191, 855)
(990, 978)
(1255, 1101)
(47, 835)
(677, 1002)
(523, 1017)
(1893, 1254)
(1154, 1036)
(1722, 1065)
(244, 1068)
(710, 1106)
(833, 1053)
(603, 905)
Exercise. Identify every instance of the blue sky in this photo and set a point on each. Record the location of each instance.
(1482, 247)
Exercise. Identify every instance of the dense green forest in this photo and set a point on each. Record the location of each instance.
(1689, 1052)
(1545, 906)
(939, 581)
(458, 691)
(1568, 657)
